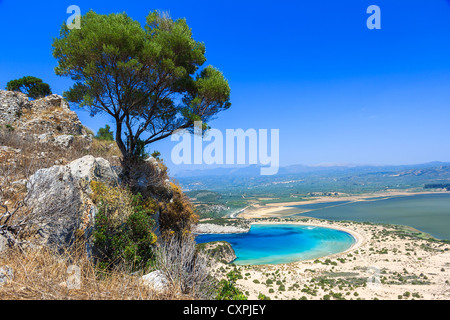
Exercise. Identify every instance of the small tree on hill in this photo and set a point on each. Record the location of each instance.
(34, 87)
(105, 134)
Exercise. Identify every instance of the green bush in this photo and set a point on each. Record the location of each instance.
(262, 297)
(123, 227)
(31, 86)
(227, 289)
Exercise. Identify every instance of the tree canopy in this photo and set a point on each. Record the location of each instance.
(149, 79)
(34, 87)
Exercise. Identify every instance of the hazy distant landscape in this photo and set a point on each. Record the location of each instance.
(220, 192)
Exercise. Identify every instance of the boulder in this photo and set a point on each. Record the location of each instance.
(156, 280)
(3, 243)
(12, 105)
(59, 197)
(150, 180)
(64, 140)
(6, 273)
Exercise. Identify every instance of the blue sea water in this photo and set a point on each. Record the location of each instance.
(282, 243)
(428, 213)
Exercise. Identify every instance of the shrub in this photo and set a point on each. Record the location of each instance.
(123, 227)
(177, 216)
(227, 289)
(156, 154)
(186, 268)
(262, 297)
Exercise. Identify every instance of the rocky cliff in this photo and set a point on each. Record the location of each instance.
(47, 163)
(48, 119)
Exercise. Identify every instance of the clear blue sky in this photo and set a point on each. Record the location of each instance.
(338, 92)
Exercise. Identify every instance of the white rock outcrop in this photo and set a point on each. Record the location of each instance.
(155, 280)
(60, 202)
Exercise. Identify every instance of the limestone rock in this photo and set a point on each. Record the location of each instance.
(150, 180)
(59, 198)
(12, 105)
(156, 280)
(3, 242)
(6, 273)
(64, 140)
(49, 119)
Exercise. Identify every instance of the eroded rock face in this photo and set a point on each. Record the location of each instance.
(49, 119)
(150, 180)
(12, 105)
(59, 197)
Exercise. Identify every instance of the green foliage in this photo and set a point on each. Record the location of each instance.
(156, 154)
(437, 186)
(228, 290)
(105, 134)
(147, 78)
(123, 227)
(139, 152)
(263, 297)
(31, 86)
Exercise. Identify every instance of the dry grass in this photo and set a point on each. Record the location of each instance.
(29, 155)
(35, 155)
(39, 274)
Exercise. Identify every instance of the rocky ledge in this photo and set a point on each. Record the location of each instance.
(222, 226)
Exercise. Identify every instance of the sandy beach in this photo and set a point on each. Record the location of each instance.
(283, 209)
(385, 262)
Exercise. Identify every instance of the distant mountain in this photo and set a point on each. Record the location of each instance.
(254, 170)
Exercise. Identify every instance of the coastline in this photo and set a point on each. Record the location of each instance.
(402, 263)
(386, 261)
(284, 209)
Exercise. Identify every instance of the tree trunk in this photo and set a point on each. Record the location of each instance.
(119, 140)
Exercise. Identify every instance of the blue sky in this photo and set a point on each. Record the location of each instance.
(338, 92)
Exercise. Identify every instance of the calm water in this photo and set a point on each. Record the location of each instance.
(320, 205)
(429, 213)
(283, 243)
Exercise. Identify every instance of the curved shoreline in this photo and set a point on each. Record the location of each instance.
(358, 238)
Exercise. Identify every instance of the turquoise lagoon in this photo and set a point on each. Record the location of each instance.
(282, 243)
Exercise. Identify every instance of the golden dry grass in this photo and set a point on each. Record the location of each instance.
(39, 274)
